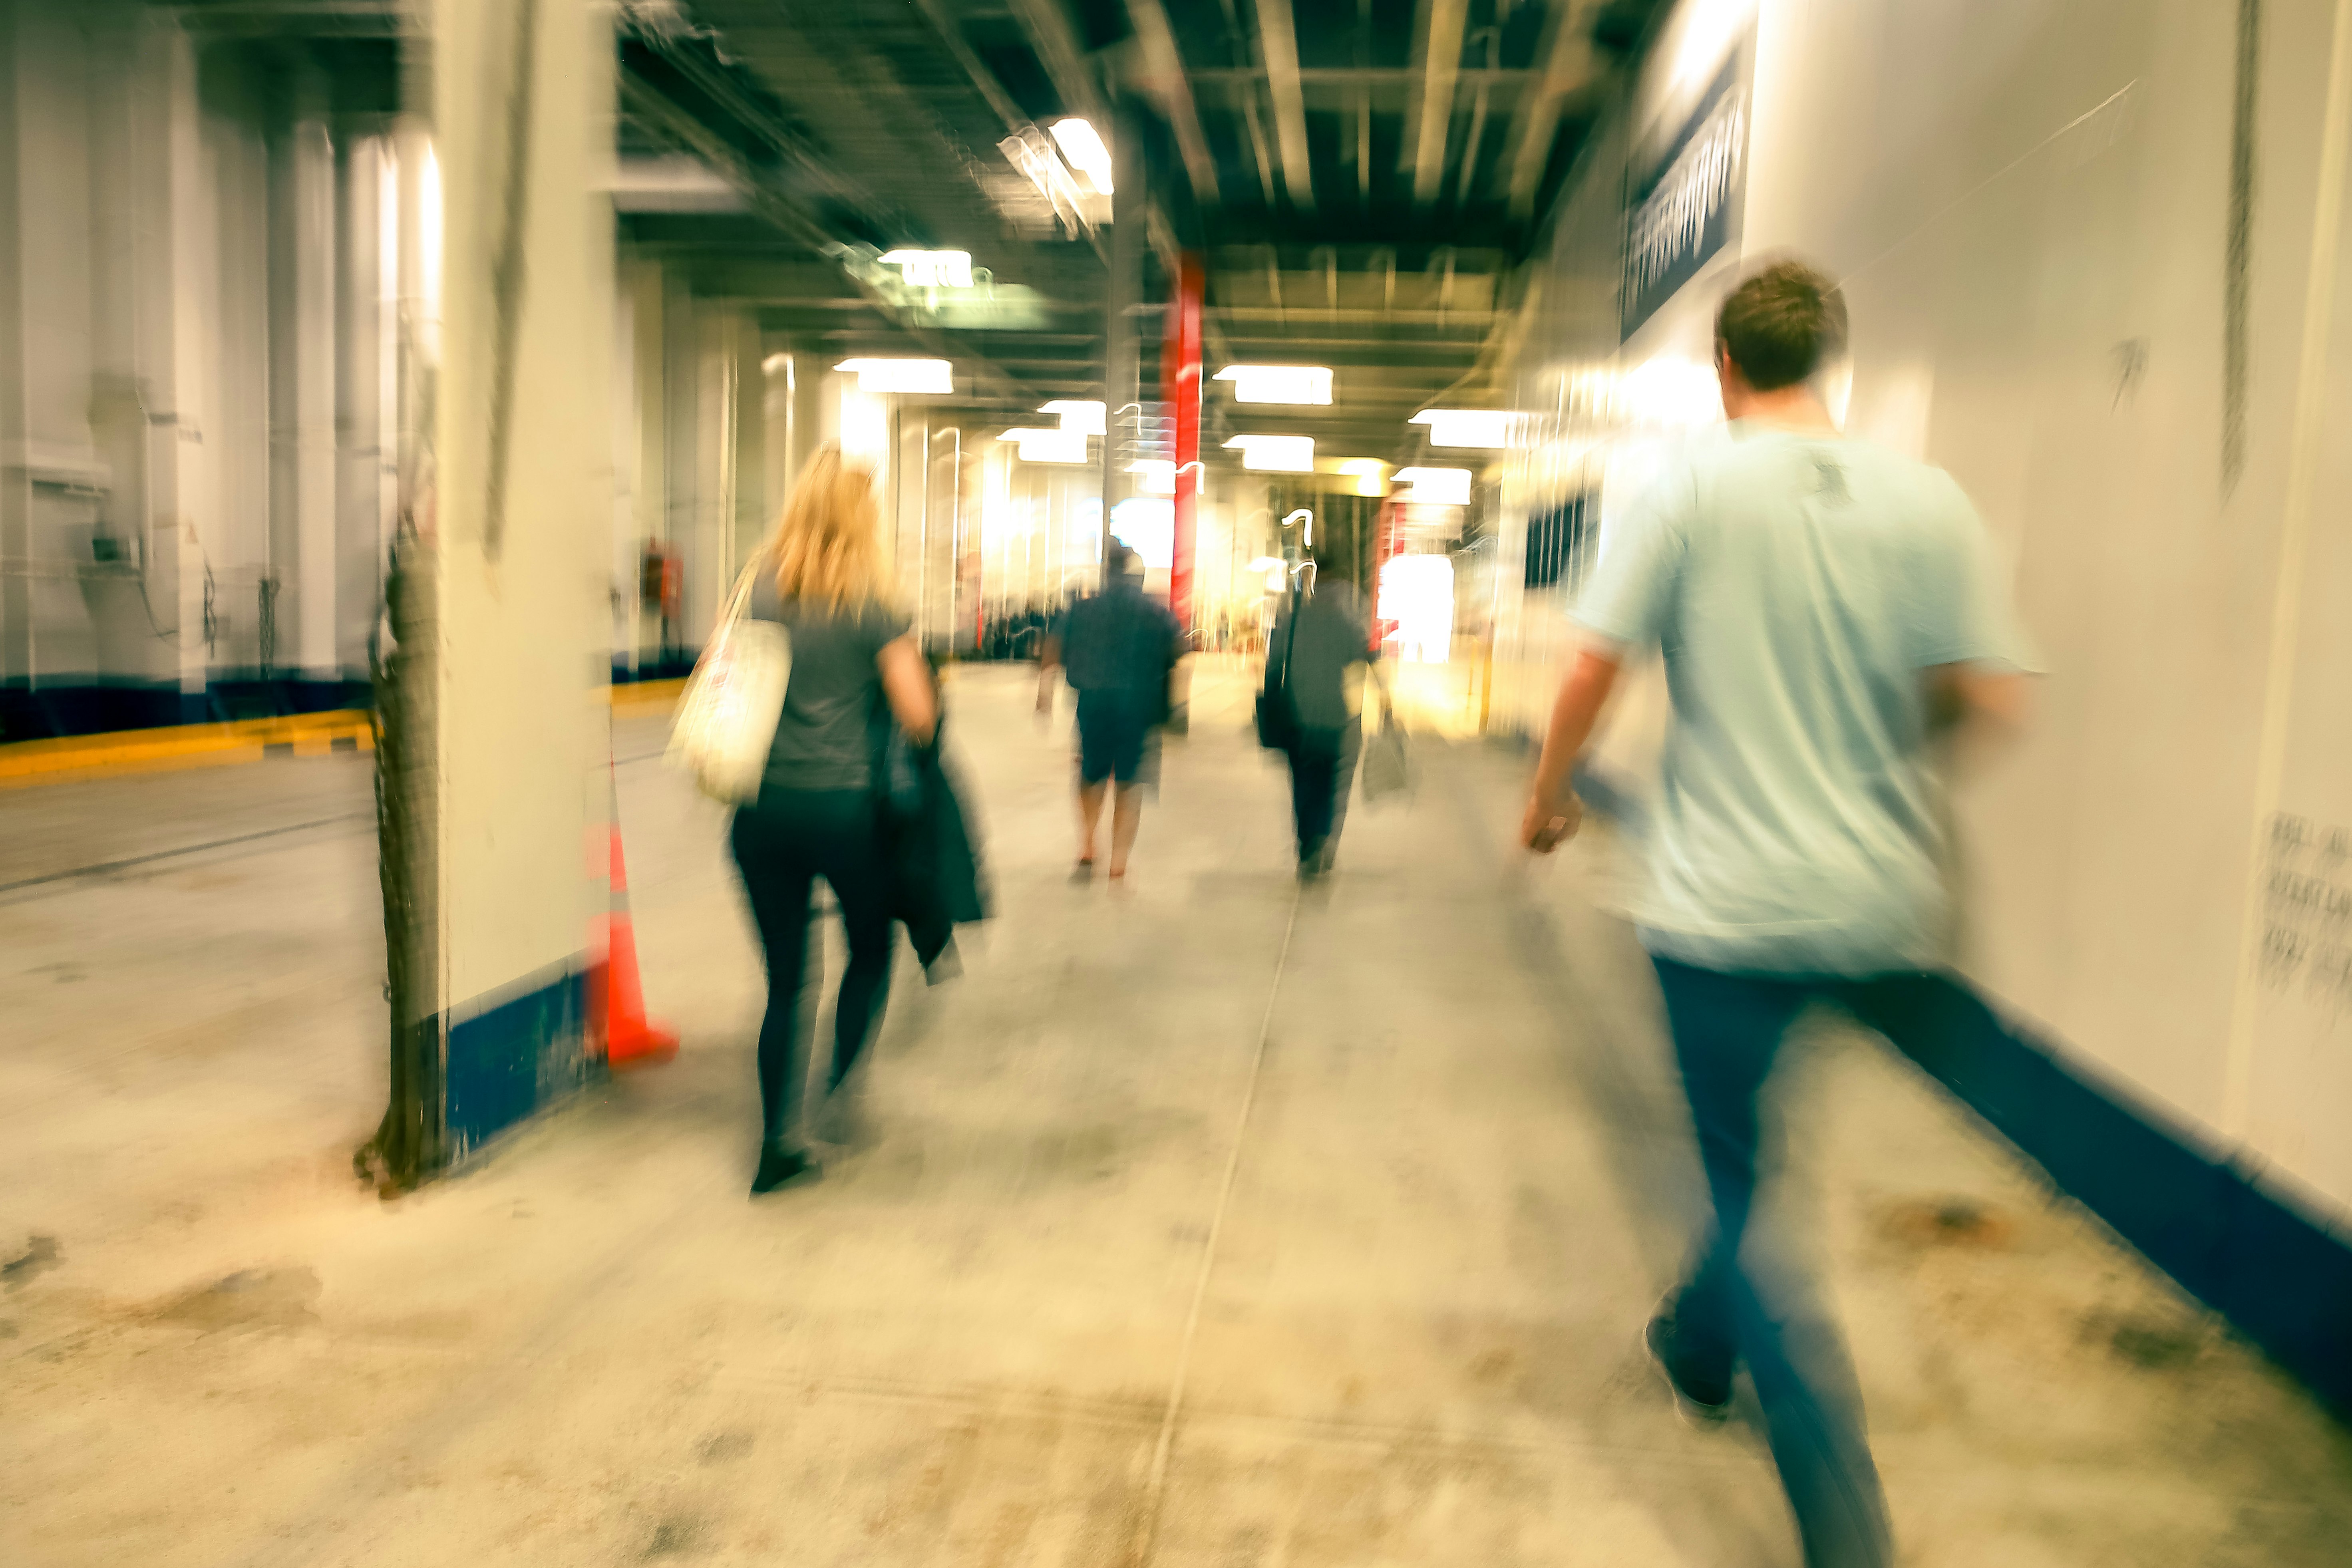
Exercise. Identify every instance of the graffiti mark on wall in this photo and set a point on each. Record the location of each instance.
(2308, 910)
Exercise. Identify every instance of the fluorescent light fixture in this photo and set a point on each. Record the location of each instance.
(1265, 563)
(932, 268)
(1081, 416)
(1159, 474)
(1370, 475)
(1277, 454)
(901, 374)
(1083, 146)
(1436, 487)
(1466, 426)
(1278, 383)
(1049, 445)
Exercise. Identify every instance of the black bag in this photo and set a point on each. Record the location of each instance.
(1278, 715)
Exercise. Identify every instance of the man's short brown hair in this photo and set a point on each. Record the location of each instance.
(1781, 325)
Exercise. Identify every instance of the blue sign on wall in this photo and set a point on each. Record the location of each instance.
(1686, 206)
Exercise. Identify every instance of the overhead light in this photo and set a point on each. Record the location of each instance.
(1277, 454)
(1265, 563)
(1032, 152)
(932, 268)
(1038, 445)
(1436, 487)
(1369, 472)
(1159, 474)
(1466, 426)
(901, 374)
(1083, 146)
(1278, 383)
(1083, 415)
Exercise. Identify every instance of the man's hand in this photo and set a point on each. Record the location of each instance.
(1548, 825)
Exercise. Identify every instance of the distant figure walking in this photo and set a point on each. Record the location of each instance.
(1117, 648)
(854, 666)
(1321, 638)
(1825, 607)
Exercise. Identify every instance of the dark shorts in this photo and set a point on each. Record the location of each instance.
(1112, 727)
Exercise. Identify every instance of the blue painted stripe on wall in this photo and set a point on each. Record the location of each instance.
(51, 711)
(514, 1055)
(2282, 1278)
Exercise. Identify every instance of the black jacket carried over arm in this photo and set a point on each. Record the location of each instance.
(936, 880)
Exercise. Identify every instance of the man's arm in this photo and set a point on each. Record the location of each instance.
(1049, 659)
(1973, 707)
(1553, 812)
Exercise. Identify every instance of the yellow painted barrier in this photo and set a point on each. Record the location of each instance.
(76, 757)
(181, 746)
(647, 693)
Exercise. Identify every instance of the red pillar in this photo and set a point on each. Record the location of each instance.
(1181, 373)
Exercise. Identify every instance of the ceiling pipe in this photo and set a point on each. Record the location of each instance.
(1164, 77)
(1278, 42)
(1569, 64)
(1441, 67)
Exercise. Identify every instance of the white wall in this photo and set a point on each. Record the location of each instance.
(194, 334)
(2028, 207)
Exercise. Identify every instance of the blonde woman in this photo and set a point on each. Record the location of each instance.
(853, 659)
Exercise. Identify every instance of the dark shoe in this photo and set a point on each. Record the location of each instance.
(1698, 1401)
(780, 1163)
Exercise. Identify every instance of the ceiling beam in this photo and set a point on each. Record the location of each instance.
(1163, 74)
(1047, 25)
(1279, 47)
(976, 69)
(1569, 63)
(1441, 66)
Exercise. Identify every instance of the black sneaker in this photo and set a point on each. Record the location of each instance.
(1697, 1404)
(780, 1163)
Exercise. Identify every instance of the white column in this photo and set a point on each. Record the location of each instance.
(364, 300)
(521, 723)
(16, 641)
(710, 545)
(303, 320)
(171, 233)
(650, 484)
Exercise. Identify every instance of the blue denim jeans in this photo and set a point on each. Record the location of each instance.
(1726, 1032)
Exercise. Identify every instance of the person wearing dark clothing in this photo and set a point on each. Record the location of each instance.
(855, 667)
(1116, 649)
(1319, 639)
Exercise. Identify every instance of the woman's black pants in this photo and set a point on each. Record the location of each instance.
(782, 844)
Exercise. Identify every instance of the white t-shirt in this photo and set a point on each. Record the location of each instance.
(1797, 587)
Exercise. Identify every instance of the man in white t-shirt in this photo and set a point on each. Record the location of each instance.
(1824, 607)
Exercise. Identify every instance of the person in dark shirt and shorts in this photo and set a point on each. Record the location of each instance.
(1116, 649)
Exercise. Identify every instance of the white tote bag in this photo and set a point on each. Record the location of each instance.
(726, 716)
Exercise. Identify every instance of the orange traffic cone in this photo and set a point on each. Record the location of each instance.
(630, 1040)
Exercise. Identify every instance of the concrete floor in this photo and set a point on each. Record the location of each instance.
(1203, 1222)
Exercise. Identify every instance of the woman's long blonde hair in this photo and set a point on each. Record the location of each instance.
(826, 547)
